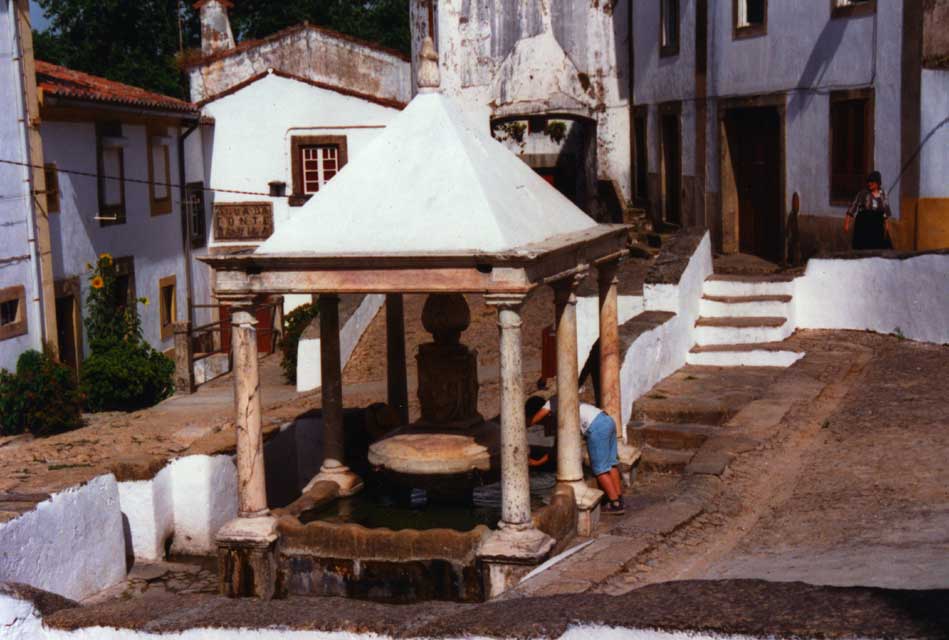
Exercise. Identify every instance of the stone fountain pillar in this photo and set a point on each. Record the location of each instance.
(246, 563)
(517, 546)
(450, 448)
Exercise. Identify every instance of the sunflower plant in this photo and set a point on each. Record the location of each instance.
(123, 372)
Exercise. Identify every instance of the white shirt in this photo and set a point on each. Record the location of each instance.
(588, 413)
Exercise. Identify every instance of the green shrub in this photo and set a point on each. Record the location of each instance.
(40, 398)
(124, 373)
(126, 377)
(294, 324)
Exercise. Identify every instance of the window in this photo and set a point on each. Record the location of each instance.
(668, 27)
(194, 208)
(315, 160)
(851, 143)
(125, 282)
(167, 306)
(751, 18)
(52, 188)
(12, 312)
(159, 171)
(640, 121)
(851, 8)
(111, 165)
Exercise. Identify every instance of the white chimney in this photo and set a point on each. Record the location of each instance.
(216, 34)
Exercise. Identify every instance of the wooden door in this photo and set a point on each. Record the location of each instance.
(757, 164)
(66, 328)
(671, 169)
(264, 314)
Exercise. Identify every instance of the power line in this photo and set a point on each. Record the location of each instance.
(169, 185)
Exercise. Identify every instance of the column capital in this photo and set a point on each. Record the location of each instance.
(505, 300)
(606, 271)
(572, 281)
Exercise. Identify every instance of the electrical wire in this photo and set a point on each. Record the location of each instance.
(169, 185)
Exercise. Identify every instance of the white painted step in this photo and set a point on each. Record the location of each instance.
(745, 306)
(744, 355)
(741, 330)
(729, 285)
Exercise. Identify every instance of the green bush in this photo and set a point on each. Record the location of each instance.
(294, 324)
(40, 398)
(125, 377)
(124, 373)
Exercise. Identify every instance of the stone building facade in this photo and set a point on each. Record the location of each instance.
(550, 77)
(740, 106)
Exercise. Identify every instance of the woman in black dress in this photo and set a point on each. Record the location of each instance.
(869, 215)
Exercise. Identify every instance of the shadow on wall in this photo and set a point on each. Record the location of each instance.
(817, 63)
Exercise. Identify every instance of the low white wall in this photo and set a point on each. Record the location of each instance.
(908, 296)
(309, 372)
(588, 321)
(71, 544)
(661, 351)
(204, 490)
(150, 509)
(19, 619)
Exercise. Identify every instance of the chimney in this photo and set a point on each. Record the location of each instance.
(216, 34)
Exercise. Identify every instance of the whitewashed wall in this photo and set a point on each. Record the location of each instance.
(71, 544)
(908, 297)
(16, 266)
(77, 238)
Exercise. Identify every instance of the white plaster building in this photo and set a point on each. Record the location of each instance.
(738, 105)
(20, 310)
(105, 167)
(551, 79)
(113, 158)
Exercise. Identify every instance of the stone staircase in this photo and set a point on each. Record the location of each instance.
(743, 321)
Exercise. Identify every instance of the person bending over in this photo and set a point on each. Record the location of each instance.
(600, 432)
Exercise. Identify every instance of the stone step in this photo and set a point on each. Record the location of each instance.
(744, 306)
(767, 354)
(666, 460)
(748, 285)
(741, 330)
(674, 436)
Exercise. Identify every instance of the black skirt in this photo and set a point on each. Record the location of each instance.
(869, 231)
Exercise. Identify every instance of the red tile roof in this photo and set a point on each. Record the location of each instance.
(59, 81)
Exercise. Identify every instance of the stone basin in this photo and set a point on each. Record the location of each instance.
(419, 451)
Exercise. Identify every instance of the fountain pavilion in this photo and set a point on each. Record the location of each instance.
(434, 205)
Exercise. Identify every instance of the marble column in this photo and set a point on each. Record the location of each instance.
(515, 480)
(610, 394)
(398, 391)
(246, 560)
(570, 443)
(334, 468)
(569, 439)
(516, 545)
(251, 487)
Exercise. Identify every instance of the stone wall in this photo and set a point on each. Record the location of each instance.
(309, 52)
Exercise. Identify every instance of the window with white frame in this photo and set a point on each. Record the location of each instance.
(320, 164)
(751, 17)
(111, 165)
(159, 171)
(668, 27)
(848, 8)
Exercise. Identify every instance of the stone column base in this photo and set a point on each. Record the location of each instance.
(509, 554)
(588, 507)
(348, 482)
(247, 565)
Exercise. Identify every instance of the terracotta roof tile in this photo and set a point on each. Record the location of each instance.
(67, 83)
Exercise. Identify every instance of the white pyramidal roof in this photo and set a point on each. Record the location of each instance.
(430, 183)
